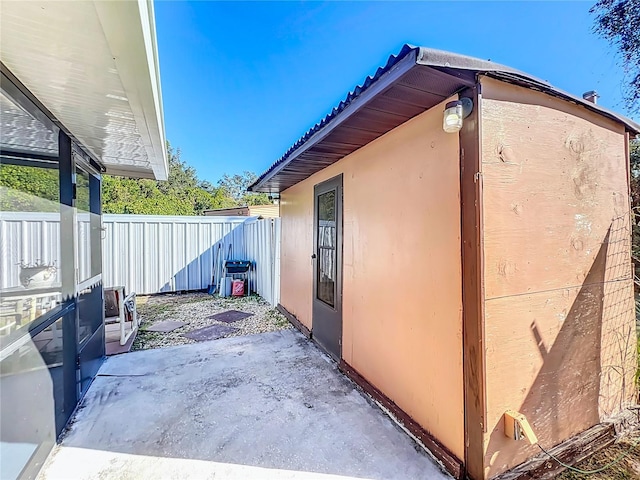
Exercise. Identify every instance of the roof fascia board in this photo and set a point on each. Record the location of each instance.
(149, 28)
(399, 69)
(138, 77)
(439, 58)
(119, 171)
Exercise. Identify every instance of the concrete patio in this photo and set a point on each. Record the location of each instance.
(268, 406)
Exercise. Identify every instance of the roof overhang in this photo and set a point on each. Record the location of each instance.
(410, 83)
(94, 66)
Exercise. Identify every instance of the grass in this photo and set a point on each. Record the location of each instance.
(165, 309)
(155, 310)
(626, 469)
(278, 318)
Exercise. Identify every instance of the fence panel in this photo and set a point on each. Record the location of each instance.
(262, 248)
(148, 253)
(155, 254)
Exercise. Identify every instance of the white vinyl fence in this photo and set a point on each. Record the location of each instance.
(150, 253)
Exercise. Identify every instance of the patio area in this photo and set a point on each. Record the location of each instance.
(265, 406)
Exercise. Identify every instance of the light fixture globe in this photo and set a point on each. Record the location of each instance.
(452, 120)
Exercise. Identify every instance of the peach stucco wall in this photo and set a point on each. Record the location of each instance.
(559, 312)
(402, 313)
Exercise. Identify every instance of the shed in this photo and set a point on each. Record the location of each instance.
(509, 288)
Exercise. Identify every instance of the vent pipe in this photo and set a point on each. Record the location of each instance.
(591, 96)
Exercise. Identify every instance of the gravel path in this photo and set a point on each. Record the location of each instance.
(194, 309)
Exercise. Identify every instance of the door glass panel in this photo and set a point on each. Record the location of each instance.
(327, 247)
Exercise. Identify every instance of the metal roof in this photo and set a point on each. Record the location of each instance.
(414, 80)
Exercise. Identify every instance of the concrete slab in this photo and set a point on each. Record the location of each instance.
(268, 406)
(165, 327)
(212, 332)
(231, 316)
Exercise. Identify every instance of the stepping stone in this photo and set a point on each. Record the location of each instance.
(212, 332)
(165, 327)
(230, 316)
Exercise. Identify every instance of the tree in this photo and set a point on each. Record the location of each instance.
(236, 187)
(618, 21)
(31, 189)
(182, 194)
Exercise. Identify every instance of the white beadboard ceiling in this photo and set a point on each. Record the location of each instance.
(94, 66)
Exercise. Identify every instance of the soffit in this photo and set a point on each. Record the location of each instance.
(93, 65)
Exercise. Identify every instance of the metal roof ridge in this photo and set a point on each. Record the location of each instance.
(440, 58)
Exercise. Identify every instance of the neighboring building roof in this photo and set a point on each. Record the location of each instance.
(228, 212)
(411, 82)
(265, 211)
(94, 66)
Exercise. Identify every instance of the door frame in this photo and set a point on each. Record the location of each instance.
(318, 306)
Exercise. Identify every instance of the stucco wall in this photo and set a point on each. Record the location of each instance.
(559, 311)
(402, 322)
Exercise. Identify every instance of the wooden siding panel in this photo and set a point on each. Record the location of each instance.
(296, 247)
(557, 183)
(559, 310)
(565, 359)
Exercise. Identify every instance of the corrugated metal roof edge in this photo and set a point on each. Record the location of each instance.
(440, 58)
(355, 93)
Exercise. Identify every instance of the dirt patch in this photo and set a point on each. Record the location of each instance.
(196, 310)
(626, 469)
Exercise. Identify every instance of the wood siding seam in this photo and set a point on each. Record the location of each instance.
(480, 259)
(568, 287)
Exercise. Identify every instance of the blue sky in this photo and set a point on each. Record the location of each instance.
(242, 81)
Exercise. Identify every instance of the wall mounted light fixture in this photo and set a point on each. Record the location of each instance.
(454, 113)
(274, 198)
